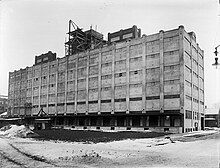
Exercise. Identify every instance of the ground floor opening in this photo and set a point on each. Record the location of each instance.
(162, 122)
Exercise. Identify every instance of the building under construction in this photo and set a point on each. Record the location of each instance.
(81, 41)
(129, 82)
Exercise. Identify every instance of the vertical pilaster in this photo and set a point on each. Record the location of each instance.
(113, 80)
(19, 105)
(191, 83)
(57, 67)
(32, 90)
(198, 107)
(203, 77)
(76, 77)
(143, 75)
(127, 76)
(87, 83)
(182, 65)
(48, 82)
(66, 70)
(40, 75)
(141, 121)
(161, 72)
(99, 80)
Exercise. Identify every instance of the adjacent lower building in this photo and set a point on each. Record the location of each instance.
(3, 104)
(212, 117)
(149, 82)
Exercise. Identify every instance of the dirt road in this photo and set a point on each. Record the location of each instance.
(12, 157)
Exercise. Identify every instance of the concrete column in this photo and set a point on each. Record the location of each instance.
(32, 90)
(127, 77)
(144, 75)
(182, 69)
(76, 76)
(130, 121)
(89, 121)
(39, 84)
(192, 125)
(161, 72)
(77, 121)
(99, 81)
(158, 121)
(199, 111)
(48, 82)
(19, 106)
(141, 121)
(127, 121)
(101, 121)
(57, 64)
(147, 121)
(87, 83)
(116, 122)
(113, 81)
(65, 105)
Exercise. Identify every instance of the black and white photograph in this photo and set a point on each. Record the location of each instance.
(109, 84)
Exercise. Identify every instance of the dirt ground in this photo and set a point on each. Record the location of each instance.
(193, 150)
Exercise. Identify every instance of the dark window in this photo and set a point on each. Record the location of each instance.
(188, 114)
(152, 97)
(135, 99)
(171, 96)
(81, 102)
(60, 104)
(120, 100)
(105, 101)
(93, 102)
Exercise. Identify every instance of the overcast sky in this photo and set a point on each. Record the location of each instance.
(32, 27)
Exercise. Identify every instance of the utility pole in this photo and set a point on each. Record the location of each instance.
(216, 56)
(217, 64)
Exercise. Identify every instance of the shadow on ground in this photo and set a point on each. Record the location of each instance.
(92, 136)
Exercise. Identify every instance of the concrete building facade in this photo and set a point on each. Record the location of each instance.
(154, 82)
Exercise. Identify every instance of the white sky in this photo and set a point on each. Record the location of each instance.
(32, 27)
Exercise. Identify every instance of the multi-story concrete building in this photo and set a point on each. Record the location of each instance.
(153, 82)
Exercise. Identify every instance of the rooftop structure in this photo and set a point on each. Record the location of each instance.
(44, 58)
(124, 35)
(80, 41)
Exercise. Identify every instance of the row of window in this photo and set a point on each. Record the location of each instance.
(194, 100)
(82, 72)
(192, 115)
(95, 79)
(194, 73)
